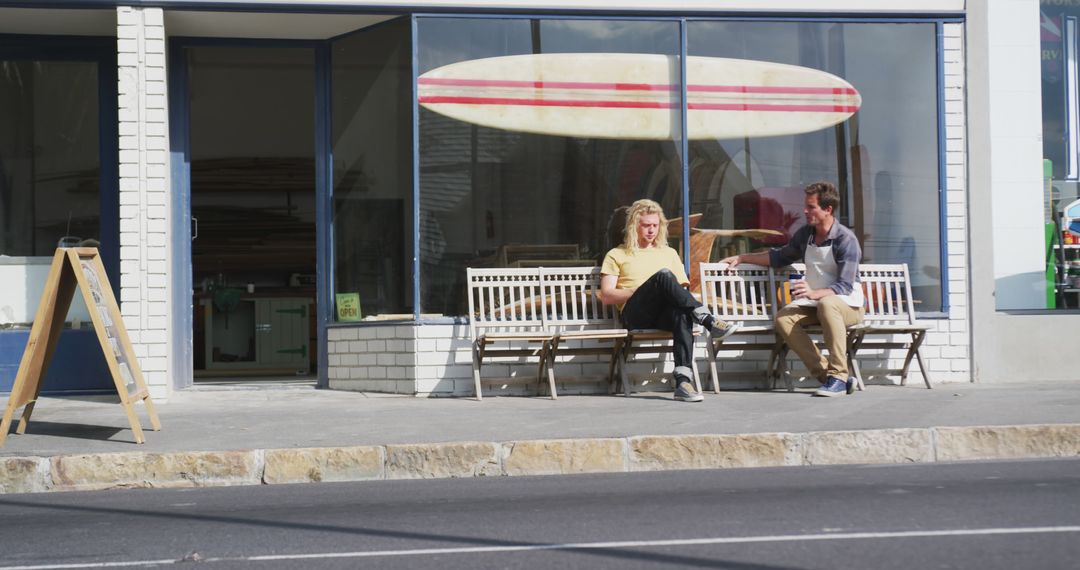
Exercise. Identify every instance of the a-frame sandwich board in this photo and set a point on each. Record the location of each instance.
(78, 267)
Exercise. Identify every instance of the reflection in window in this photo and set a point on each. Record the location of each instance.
(1060, 72)
(884, 159)
(496, 192)
(534, 194)
(49, 154)
(253, 168)
(372, 169)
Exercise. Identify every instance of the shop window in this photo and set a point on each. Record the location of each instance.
(884, 159)
(519, 194)
(372, 173)
(50, 177)
(1060, 72)
(543, 191)
(49, 154)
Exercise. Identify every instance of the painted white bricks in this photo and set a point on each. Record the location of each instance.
(144, 189)
(376, 358)
(950, 360)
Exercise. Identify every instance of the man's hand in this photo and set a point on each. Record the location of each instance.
(759, 258)
(800, 290)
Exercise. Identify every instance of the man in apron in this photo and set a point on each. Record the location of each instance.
(645, 278)
(829, 295)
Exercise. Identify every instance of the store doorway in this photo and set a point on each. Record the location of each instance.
(252, 179)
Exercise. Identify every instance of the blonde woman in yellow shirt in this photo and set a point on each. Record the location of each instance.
(645, 278)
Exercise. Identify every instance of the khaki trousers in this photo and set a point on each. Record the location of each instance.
(834, 316)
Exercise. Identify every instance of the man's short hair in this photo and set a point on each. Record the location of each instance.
(826, 195)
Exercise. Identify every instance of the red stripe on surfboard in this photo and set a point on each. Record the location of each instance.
(771, 89)
(434, 100)
(453, 82)
(544, 102)
(543, 84)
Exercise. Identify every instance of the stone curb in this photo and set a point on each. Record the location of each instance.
(534, 457)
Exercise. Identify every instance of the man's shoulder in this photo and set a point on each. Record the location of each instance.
(616, 252)
(845, 233)
(801, 237)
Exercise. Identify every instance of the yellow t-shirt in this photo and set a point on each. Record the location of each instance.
(635, 268)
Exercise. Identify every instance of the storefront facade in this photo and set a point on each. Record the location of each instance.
(287, 163)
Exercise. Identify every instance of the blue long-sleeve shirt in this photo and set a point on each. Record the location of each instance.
(845, 249)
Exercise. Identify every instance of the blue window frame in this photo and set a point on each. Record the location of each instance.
(934, 253)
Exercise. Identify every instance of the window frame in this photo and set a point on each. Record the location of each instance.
(102, 51)
(683, 21)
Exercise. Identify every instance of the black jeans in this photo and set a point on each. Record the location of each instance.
(662, 303)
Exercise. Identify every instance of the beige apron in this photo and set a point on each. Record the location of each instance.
(821, 272)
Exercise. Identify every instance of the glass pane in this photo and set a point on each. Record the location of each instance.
(49, 154)
(373, 186)
(252, 141)
(252, 167)
(1060, 197)
(790, 132)
(524, 158)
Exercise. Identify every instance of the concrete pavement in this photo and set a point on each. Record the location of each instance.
(251, 435)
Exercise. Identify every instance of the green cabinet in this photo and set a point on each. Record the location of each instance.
(268, 333)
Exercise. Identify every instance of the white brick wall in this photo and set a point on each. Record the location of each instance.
(144, 190)
(953, 362)
(372, 358)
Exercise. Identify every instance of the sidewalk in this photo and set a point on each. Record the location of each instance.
(225, 436)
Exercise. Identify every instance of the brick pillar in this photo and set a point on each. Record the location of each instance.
(144, 191)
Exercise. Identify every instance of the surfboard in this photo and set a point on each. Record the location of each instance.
(637, 96)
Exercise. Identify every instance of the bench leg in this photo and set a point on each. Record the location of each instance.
(697, 377)
(548, 357)
(854, 342)
(854, 366)
(782, 369)
(714, 377)
(772, 370)
(624, 357)
(922, 363)
(476, 358)
(615, 350)
(913, 351)
(922, 367)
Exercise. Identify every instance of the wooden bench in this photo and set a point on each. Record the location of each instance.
(502, 311)
(547, 312)
(746, 295)
(535, 312)
(889, 311)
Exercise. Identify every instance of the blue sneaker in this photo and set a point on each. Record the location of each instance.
(833, 387)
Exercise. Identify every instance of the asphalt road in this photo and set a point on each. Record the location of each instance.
(1007, 515)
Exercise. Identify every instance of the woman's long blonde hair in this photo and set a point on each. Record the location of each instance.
(638, 209)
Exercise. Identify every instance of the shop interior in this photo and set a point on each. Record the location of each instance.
(253, 211)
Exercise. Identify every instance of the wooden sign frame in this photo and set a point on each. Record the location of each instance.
(78, 267)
